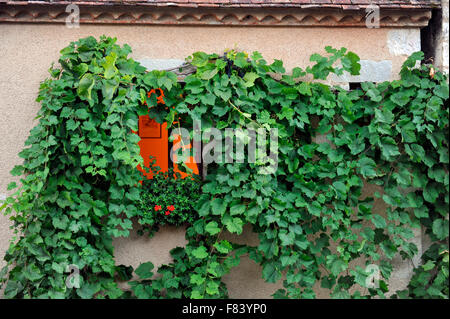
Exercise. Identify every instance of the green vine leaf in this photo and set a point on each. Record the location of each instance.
(145, 270)
(85, 87)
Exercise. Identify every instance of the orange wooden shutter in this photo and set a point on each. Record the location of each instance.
(155, 142)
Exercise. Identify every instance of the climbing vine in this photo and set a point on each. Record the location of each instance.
(316, 225)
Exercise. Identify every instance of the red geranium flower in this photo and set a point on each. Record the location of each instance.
(171, 208)
(158, 207)
(167, 213)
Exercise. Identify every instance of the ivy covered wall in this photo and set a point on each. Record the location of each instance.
(19, 108)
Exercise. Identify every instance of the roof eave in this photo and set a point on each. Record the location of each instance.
(147, 14)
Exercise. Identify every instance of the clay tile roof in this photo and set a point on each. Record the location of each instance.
(307, 13)
(343, 4)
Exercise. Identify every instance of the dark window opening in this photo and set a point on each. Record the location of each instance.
(354, 85)
(429, 36)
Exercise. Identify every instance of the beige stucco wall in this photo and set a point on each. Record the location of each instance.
(27, 51)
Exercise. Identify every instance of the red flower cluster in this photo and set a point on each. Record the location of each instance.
(170, 209)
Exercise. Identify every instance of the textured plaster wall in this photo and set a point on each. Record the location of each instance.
(27, 51)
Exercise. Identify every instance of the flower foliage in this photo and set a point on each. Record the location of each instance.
(168, 199)
(311, 215)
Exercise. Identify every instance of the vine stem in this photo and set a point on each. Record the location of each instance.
(243, 114)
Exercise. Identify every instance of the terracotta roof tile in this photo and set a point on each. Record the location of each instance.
(344, 4)
(310, 13)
